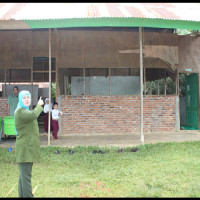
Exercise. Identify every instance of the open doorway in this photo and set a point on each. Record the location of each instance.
(189, 97)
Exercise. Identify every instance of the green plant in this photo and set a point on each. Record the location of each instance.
(158, 87)
(53, 90)
(182, 84)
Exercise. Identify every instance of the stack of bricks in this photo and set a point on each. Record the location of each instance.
(3, 107)
(116, 114)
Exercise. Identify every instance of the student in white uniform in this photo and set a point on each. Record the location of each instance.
(55, 117)
(46, 115)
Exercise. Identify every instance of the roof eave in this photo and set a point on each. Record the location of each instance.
(100, 22)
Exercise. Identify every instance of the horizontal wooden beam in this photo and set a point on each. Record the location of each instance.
(43, 71)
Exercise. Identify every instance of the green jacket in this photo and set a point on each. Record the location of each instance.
(27, 147)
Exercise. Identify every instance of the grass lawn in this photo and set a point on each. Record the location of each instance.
(155, 170)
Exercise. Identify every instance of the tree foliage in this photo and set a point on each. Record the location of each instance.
(157, 87)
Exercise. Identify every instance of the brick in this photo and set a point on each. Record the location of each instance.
(105, 114)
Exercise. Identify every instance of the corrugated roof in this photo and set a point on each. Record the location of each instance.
(104, 12)
(33, 11)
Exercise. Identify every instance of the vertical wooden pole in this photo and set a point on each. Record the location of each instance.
(177, 107)
(141, 87)
(65, 85)
(109, 81)
(9, 75)
(5, 83)
(49, 124)
(144, 80)
(67, 82)
(57, 76)
(150, 84)
(32, 84)
(177, 83)
(198, 101)
(165, 83)
(178, 100)
(83, 81)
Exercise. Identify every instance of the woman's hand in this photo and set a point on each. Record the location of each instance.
(40, 101)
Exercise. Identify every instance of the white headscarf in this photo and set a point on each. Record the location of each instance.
(46, 106)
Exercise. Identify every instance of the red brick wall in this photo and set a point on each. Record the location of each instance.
(3, 107)
(116, 114)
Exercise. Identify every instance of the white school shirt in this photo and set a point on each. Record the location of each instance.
(46, 108)
(55, 113)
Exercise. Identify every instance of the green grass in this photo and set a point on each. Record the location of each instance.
(155, 170)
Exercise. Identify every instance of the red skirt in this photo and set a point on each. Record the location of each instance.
(55, 127)
(46, 122)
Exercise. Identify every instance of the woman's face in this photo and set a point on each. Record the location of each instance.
(26, 100)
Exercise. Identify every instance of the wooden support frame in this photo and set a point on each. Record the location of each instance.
(83, 81)
(177, 83)
(144, 81)
(57, 75)
(165, 83)
(32, 85)
(43, 71)
(141, 87)
(109, 71)
(178, 101)
(158, 87)
(4, 82)
(49, 124)
(198, 100)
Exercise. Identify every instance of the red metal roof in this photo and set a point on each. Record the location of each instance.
(34, 11)
(134, 12)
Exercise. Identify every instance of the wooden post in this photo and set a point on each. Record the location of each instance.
(65, 85)
(150, 84)
(49, 124)
(67, 81)
(141, 87)
(5, 83)
(165, 83)
(177, 83)
(109, 81)
(144, 80)
(83, 81)
(177, 106)
(198, 100)
(9, 75)
(32, 85)
(57, 76)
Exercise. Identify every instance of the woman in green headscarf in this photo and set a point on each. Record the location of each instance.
(27, 147)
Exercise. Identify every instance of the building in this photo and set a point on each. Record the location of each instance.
(99, 54)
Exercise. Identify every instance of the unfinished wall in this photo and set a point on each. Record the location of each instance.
(116, 114)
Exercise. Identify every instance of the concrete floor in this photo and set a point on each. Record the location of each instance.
(119, 140)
